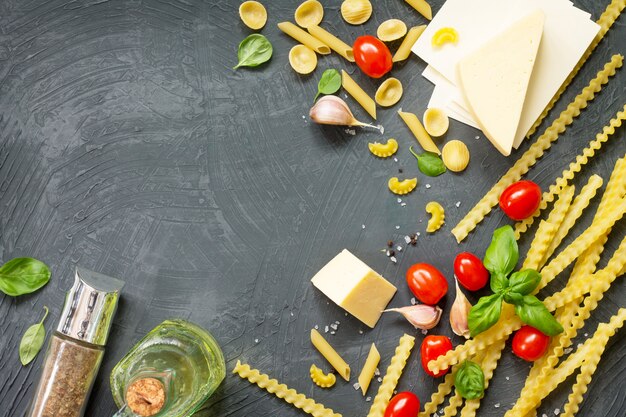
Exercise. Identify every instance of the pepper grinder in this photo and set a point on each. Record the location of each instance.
(77, 346)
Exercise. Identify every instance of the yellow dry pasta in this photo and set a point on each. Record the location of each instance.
(536, 150)
(282, 391)
(330, 354)
(540, 243)
(356, 12)
(390, 380)
(389, 92)
(383, 150)
(422, 7)
(453, 406)
(302, 59)
(418, 130)
(443, 36)
(309, 13)
(455, 155)
(253, 14)
(332, 41)
(391, 30)
(304, 38)
(358, 94)
(369, 368)
(436, 121)
(437, 398)
(404, 50)
(401, 187)
(320, 378)
(610, 15)
(558, 213)
(437, 216)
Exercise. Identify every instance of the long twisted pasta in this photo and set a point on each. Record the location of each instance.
(536, 150)
(283, 391)
(606, 20)
(455, 402)
(539, 245)
(439, 396)
(390, 380)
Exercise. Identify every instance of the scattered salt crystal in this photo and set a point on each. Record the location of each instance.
(578, 346)
(393, 259)
(368, 399)
(376, 371)
(345, 96)
(356, 386)
(333, 326)
(586, 334)
(362, 226)
(379, 379)
(303, 116)
(360, 331)
(507, 378)
(556, 411)
(256, 340)
(399, 248)
(413, 301)
(567, 351)
(397, 227)
(544, 415)
(325, 329)
(427, 186)
(497, 405)
(332, 332)
(337, 321)
(458, 204)
(403, 204)
(345, 314)
(350, 132)
(317, 327)
(477, 137)
(442, 411)
(395, 159)
(424, 331)
(395, 391)
(399, 200)
(407, 240)
(291, 313)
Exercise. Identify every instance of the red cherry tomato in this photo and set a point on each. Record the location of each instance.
(520, 199)
(432, 348)
(426, 283)
(403, 404)
(372, 56)
(470, 271)
(530, 344)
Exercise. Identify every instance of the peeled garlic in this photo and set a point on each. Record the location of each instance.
(356, 12)
(331, 110)
(459, 313)
(389, 92)
(421, 316)
(391, 30)
(455, 155)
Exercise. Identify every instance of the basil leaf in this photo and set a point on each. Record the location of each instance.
(32, 341)
(254, 51)
(429, 163)
(330, 83)
(22, 276)
(469, 381)
(524, 282)
(502, 253)
(534, 313)
(513, 298)
(498, 282)
(484, 314)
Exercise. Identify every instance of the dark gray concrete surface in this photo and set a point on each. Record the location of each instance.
(129, 146)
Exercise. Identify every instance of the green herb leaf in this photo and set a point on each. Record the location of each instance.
(498, 282)
(22, 276)
(513, 298)
(330, 83)
(429, 163)
(524, 282)
(32, 341)
(484, 314)
(502, 253)
(469, 381)
(254, 51)
(534, 313)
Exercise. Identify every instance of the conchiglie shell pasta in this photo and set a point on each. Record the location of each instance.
(302, 59)
(356, 12)
(455, 155)
(391, 30)
(436, 122)
(309, 13)
(389, 92)
(253, 14)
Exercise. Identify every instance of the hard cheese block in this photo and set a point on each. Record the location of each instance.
(355, 287)
(494, 79)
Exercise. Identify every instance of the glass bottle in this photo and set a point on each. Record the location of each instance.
(183, 358)
(77, 346)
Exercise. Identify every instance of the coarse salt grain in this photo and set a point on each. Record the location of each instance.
(556, 411)
(424, 331)
(403, 204)
(507, 378)
(317, 327)
(418, 234)
(360, 331)
(477, 137)
(413, 301)
(333, 326)
(356, 386)
(497, 405)
(427, 186)
(368, 399)
(399, 248)
(458, 204)
(397, 227)
(395, 159)
(332, 332)
(393, 259)
(399, 200)
(376, 371)
(337, 321)
(256, 340)
(379, 379)
(407, 240)
(325, 329)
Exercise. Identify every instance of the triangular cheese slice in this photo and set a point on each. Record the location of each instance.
(494, 79)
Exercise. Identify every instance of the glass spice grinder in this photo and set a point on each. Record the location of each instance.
(77, 346)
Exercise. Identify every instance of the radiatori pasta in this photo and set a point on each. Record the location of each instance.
(437, 216)
(402, 187)
(321, 379)
(383, 150)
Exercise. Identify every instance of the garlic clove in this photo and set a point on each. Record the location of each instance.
(421, 316)
(331, 110)
(459, 314)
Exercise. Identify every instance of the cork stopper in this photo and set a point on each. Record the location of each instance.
(146, 396)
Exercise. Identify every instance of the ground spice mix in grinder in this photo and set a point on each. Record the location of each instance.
(77, 346)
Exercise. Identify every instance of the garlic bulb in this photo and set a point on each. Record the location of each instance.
(421, 316)
(331, 110)
(459, 313)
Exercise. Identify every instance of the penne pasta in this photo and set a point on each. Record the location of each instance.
(422, 7)
(304, 38)
(409, 40)
(332, 41)
(330, 354)
(358, 94)
(369, 368)
(418, 130)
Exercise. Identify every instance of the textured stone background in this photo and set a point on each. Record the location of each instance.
(129, 146)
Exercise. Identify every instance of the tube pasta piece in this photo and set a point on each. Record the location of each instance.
(401, 187)
(606, 20)
(443, 36)
(321, 379)
(436, 121)
(383, 150)
(416, 127)
(404, 51)
(369, 368)
(356, 12)
(332, 41)
(309, 13)
(291, 396)
(358, 94)
(389, 92)
(303, 37)
(536, 150)
(437, 216)
(253, 14)
(390, 380)
(391, 30)
(330, 354)
(422, 7)
(302, 59)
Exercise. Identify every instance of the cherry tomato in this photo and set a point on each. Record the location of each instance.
(403, 404)
(426, 283)
(470, 271)
(530, 344)
(372, 56)
(520, 199)
(432, 348)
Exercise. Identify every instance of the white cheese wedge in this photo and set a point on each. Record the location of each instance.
(355, 287)
(494, 79)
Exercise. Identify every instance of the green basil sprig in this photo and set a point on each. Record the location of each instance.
(469, 381)
(254, 51)
(32, 341)
(429, 163)
(514, 288)
(330, 83)
(21, 276)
